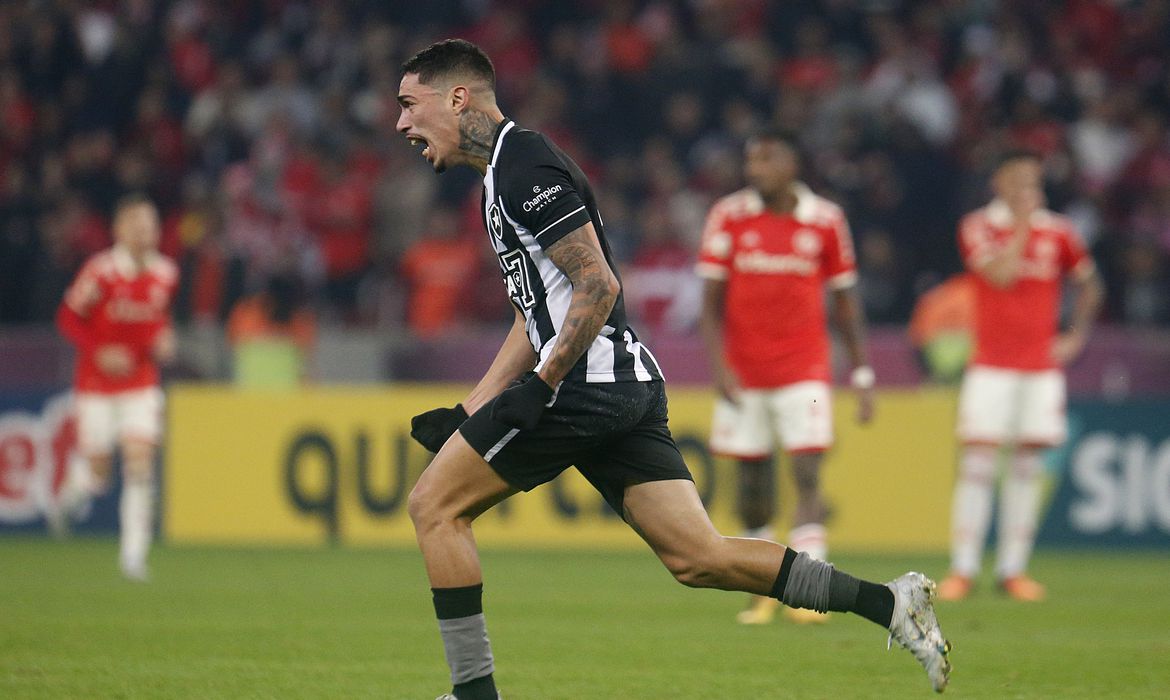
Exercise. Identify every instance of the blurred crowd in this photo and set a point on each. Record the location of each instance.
(265, 131)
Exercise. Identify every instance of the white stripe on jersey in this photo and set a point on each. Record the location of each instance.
(500, 144)
(580, 208)
(599, 358)
(635, 349)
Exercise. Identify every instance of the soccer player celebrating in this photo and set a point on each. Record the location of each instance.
(572, 386)
(1013, 392)
(767, 253)
(117, 315)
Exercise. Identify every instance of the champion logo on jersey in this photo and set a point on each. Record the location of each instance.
(751, 238)
(495, 222)
(542, 197)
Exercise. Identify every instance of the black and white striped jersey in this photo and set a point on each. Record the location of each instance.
(533, 195)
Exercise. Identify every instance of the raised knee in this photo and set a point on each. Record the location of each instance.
(419, 506)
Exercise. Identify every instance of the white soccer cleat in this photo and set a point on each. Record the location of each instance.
(135, 572)
(915, 628)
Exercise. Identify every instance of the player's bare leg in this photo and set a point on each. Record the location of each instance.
(670, 517)
(808, 533)
(970, 518)
(455, 488)
(136, 507)
(756, 505)
(1019, 509)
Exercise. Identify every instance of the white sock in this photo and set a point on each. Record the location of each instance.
(80, 486)
(1019, 507)
(971, 510)
(810, 538)
(136, 512)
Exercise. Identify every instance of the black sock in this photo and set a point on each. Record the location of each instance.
(479, 689)
(873, 601)
(785, 570)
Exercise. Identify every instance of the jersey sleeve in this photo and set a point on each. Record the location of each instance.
(838, 260)
(715, 247)
(976, 242)
(538, 193)
(86, 290)
(1074, 259)
(73, 315)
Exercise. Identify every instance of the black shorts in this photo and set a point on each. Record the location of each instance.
(615, 434)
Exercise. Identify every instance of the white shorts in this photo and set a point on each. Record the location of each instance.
(105, 419)
(800, 415)
(1004, 406)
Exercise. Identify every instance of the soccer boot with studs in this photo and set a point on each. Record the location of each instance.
(915, 628)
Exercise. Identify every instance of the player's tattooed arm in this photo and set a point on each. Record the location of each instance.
(476, 133)
(595, 290)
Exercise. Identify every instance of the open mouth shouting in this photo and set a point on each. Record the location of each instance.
(420, 142)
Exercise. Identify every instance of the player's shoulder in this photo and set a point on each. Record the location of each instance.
(813, 209)
(981, 218)
(1056, 222)
(520, 144)
(740, 204)
(102, 264)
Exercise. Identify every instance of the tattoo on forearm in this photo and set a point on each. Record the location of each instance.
(476, 132)
(592, 300)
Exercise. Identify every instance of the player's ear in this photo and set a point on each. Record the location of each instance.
(460, 98)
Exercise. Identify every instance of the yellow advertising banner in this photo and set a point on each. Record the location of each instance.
(320, 465)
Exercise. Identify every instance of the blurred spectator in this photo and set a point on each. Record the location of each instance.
(288, 108)
(439, 269)
(272, 335)
(941, 328)
(661, 290)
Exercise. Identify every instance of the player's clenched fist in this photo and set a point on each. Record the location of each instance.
(433, 428)
(521, 406)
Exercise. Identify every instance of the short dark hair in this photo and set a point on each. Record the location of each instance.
(1013, 154)
(773, 133)
(451, 57)
(132, 199)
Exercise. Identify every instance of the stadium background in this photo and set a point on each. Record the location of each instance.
(265, 132)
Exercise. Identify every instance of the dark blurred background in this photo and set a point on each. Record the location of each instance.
(265, 132)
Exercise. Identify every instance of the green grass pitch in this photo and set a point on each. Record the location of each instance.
(357, 623)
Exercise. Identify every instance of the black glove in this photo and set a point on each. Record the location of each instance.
(520, 406)
(431, 429)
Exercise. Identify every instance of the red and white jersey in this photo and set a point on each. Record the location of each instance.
(776, 267)
(1015, 325)
(113, 302)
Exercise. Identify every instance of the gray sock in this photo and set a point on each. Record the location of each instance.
(808, 584)
(469, 654)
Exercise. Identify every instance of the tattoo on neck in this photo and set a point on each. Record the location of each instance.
(476, 131)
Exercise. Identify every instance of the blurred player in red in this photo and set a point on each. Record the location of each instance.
(117, 315)
(1012, 401)
(767, 254)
